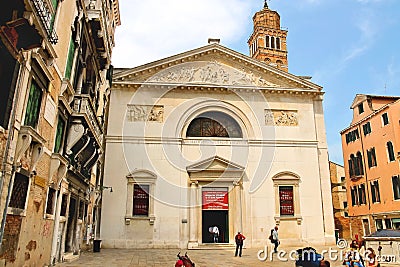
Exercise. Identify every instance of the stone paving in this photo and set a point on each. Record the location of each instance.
(167, 257)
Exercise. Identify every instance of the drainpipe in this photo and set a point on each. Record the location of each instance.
(10, 137)
(365, 176)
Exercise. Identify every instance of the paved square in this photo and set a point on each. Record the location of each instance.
(167, 257)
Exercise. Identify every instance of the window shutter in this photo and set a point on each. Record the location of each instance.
(70, 60)
(59, 135)
(33, 106)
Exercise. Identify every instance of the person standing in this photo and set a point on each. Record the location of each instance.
(275, 239)
(215, 234)
(239, 238)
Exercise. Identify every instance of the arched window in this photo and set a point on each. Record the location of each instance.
(214, 124)
(390, 150)
(267, 41)
(351, 165)
(359, 163)
(278, 43)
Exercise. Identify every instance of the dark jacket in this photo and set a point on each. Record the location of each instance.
(239, 239)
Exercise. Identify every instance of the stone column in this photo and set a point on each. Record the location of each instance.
(238, 207)
(56, 236)
(193, 226)
(129, 204)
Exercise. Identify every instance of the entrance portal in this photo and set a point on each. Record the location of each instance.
(217, 218)
(215, 213)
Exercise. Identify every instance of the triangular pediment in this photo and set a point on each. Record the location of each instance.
(213, 65)
(215, 164)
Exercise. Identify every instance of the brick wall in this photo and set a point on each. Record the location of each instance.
(11, 237)
(343, 225)
(3, 140)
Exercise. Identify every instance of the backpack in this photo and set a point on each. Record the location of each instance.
(270, 236)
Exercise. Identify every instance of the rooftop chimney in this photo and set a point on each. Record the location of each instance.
(213, 41)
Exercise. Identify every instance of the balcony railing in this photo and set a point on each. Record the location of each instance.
(46, 19)
(83, 106)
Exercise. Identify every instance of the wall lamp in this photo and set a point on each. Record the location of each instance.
(106, 187)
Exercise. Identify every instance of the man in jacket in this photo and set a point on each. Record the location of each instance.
(239, 238)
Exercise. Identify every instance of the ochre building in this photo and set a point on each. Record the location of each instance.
(371, 153)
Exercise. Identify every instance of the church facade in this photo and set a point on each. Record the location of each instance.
(211, 137)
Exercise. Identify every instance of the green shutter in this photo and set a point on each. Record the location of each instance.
(59, 135)
(70, 59)
(33, 106)
(55, 4)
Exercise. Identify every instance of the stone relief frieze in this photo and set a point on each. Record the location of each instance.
(210, 73)
(145, 113)
(281, 117)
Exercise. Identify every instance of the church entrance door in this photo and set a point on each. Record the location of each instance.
(215, 210)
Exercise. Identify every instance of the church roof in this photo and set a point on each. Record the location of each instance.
(213, 64)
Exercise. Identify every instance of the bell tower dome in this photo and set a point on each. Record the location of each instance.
(268, 41)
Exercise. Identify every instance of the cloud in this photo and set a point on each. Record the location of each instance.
(368, 28)
(155, 29)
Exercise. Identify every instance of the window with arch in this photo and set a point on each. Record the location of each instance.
(356, 167)
(279, 62)
(214, 124)
(390, 151)
(278, 43)
(371, 157)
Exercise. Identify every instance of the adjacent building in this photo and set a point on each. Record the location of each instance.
(211, 137)
(370, 151)
(339, 200)
(55, 70)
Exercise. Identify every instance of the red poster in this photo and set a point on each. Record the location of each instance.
(215, 200)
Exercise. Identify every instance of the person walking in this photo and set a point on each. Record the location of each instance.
(239, 238)
(275, 238)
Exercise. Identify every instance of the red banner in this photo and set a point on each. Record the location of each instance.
(215, 200)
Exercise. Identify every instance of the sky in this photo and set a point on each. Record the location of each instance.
(348, 46)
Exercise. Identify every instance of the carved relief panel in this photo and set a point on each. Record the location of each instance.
(281, 117)
(145, 113)
(210, 73)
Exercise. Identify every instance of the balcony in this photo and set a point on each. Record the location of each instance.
(82, 108)
(96, 16)
(45, 17)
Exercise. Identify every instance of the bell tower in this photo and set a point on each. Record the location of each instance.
(268, 41)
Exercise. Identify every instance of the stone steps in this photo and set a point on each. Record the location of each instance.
(70, 257)
(213, 246)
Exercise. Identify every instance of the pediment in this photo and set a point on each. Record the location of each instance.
(212, 65)
(142, 174)
(357, 100)
(215, 164)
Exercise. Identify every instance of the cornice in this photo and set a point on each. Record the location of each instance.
(127, 85)
(222, 142)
